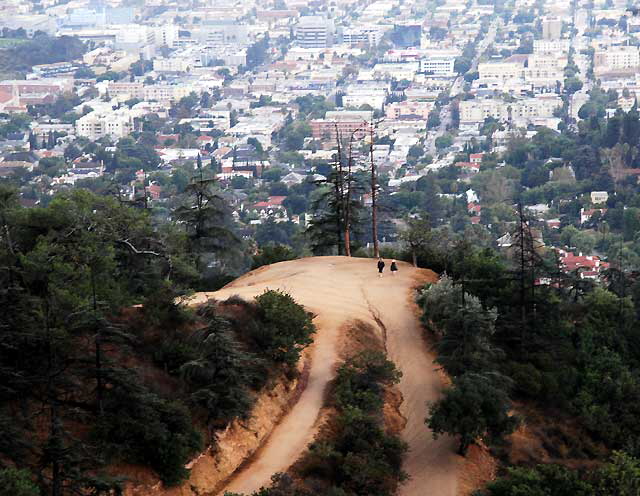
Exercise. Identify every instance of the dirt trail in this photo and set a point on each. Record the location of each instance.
(338, 290)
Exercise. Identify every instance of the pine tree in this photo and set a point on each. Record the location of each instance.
(207, 219)
(33, 141)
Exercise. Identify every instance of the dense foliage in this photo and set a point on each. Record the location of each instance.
(42, 49)
(359, 458)
(620, 476)
(89, 380)
(516, 327)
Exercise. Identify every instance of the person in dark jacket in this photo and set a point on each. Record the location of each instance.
(394, 268)
(380, 266)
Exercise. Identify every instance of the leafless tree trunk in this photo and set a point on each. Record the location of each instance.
(347, 200)
(374, 192)
(339, 192)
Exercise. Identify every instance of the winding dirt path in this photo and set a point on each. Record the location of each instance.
(339, 290)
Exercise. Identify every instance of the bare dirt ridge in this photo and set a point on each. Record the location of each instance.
(339, 290)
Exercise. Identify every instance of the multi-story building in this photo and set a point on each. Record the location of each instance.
(365, 94)
(547, 60)
(500, 70)
(146, 92)
(551, 28)
(616, 58)
(314, 32)
(221, 32)
(172, 64)
(477, 110)
(114, 124)
(367, 35)
(438, 65)
(55, 69)
(408, 109)
(343, 123)
(551, 46)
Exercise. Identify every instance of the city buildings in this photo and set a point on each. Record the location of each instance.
(98, 124)
(314, 32)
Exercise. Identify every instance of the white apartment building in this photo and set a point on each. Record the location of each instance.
(398, 71)
(408, 109)
(500, 70)
(166, 35)
(151, 92)
(476, 111)
(173, 64)
(547, 60)
(551, 46)
(114, 124)
(438, 65)
(551, 28)
(616, 58)
(314, 32)
(221, 33)
(356, 96)
(166, 92)
(368, 35)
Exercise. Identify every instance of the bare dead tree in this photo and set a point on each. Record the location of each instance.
(374, 195)
(339, 192)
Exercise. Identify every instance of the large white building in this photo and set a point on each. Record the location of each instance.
(221, 33)
(114, 124)
(477, 110)
(438, 65)
(616, 58)
(172, 64)
(500, 70)
(551, 28)
(314, 32)
(123, 90)
(367, 35)
(551, 46)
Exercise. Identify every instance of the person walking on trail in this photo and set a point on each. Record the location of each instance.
(380, 266)
(394, 268)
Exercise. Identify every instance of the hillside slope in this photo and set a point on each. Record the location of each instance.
(339, 290)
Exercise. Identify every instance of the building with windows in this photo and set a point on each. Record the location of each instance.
(551, 28)
(500, 70)
(344, 123)
(615, 58)
(99, 124)
(314, 32)
(438, 65)
(477, 110)
(551, 46)
(366, 35)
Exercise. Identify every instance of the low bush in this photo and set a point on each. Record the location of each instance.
(361, 458)
(285, 327)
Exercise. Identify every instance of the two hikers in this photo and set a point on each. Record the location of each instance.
(381, 265)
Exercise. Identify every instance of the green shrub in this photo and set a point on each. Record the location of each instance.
(14, 482)
(544, 480)
(527, 379)
(285, 327)
(272, 253)
(362, 459)
(477, 405)
(359, 382)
